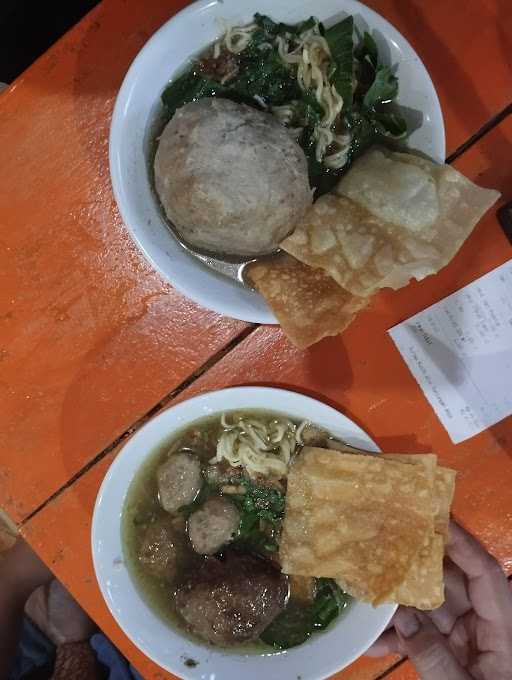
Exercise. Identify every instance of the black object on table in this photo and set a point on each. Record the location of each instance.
(29, 27)
(505, 219)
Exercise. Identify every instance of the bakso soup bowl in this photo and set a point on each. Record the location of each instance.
(138, 111)
(173, 649)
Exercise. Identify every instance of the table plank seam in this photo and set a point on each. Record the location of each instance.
(477, 136)
(215, 358)
(392, 668)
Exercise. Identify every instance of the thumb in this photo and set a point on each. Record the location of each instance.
(427, 648)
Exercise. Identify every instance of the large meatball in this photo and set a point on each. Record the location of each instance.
(179, 481)
(232, 600)
(215, 524)
(230, 178)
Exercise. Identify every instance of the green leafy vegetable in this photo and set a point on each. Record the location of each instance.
(308, 111)
(266, 502)
(189, 87)
(298, 621)
(366, 62)
(340, 39)
(329, 602)
(252, 537)
(263, 74)
(363, 133)
(261, 512)
(195, 86)
(367, 51)
(383, 89)
(264, 80)
(290, 628)
(273, 28)
(390, 124)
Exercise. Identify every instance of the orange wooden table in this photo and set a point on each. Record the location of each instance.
(93, 342)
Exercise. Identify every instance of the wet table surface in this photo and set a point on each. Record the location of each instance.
(93, 342)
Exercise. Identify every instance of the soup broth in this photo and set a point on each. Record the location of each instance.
(176, 553)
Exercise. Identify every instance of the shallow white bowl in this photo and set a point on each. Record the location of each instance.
(138, 104)
(319, 657)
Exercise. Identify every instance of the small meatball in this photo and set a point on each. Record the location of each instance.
(161, 549)
(179, 481)
(215, 524)
(233, 600)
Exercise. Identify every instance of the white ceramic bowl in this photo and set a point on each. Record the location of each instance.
(319, 657)
(138, 104)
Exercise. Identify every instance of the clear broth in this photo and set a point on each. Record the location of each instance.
(142, 507)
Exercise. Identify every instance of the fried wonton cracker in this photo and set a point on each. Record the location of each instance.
(428, 460)
(345, 516)
(307, 302)
(443, 489)
(393, 217)
(423, 586)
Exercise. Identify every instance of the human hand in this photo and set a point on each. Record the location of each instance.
(470, 636)
(22, 570)
(58, 615)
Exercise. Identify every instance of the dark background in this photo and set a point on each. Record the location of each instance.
(29, 27)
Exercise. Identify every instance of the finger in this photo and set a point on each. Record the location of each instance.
(427, 648)
(459, 642)
(490, 665)
(391, 624)
(456, 588)
(487, 585)
(456, 599)
(388, 643)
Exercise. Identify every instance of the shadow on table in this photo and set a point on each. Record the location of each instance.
(502, 435)
(326, 362)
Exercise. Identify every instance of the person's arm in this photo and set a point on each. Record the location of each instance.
(21, 572)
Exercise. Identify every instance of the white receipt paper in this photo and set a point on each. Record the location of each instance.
(460, 352)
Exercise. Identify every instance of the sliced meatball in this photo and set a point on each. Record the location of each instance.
(302, 588)
(314, 436)
(179, 481)
(223, 473)
(232, 600)
(215, 524)
(223, 68)
(336, 445)
(161, 549)
(270, 482)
